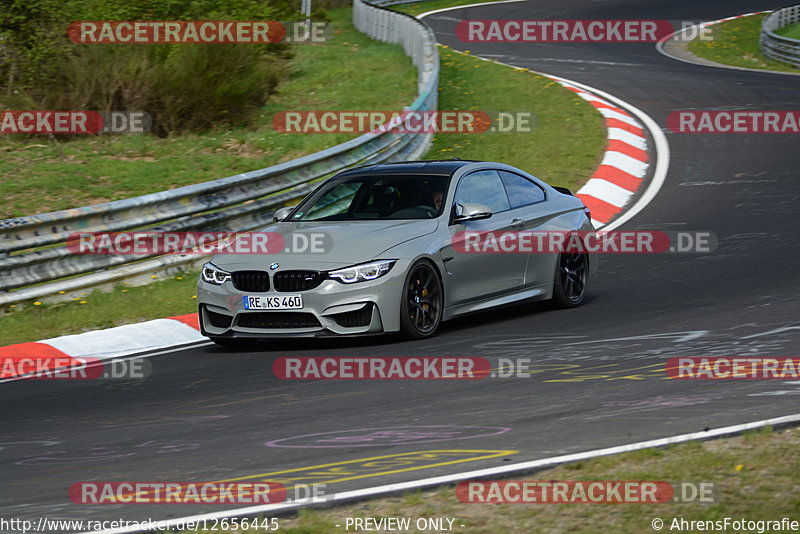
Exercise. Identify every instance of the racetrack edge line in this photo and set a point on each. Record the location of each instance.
(466, 475)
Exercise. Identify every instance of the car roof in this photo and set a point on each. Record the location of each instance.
(442, 167)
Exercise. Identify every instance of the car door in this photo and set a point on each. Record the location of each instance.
(530, 211)
(476, 276)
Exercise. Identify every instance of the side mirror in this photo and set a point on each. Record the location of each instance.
(471, 212)
(281, 214)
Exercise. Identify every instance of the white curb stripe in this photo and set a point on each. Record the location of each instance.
(625, 163)
(618, 134)
(624, 117)
(590, 97)
(606, 191)
(126, 339)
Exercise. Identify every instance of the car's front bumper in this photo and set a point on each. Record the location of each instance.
(332, 308)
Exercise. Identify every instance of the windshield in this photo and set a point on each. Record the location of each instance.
(368, 197)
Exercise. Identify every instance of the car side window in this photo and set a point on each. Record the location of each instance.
(483, 187)
(521, 191)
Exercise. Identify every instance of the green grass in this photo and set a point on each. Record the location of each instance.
(748, 483)
(735, 42)
(98, 309)
(41, 174)
(568, 135)
(792, 32)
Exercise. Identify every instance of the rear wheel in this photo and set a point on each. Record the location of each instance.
(421, 307)
(571, 279)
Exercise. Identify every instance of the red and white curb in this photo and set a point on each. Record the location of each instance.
(63, 352)
(624, 166)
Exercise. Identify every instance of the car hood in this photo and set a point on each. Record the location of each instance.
(344, 243)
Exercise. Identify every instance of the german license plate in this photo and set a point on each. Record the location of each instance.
(281, 302)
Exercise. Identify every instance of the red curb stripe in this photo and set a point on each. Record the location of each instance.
(14, 354)
(574, 89)
(618, 177)
(615, 145)
(190, 319)
(616, 123)
(601, 211)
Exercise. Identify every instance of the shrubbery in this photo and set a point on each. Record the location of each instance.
(184, 87)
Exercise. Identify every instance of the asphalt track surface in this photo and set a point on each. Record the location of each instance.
(208, 414)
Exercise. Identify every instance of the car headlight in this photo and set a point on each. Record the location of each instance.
(363, 272)
(214, 275)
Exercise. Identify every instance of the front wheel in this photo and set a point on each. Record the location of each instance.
(571, 279)
(421, 307)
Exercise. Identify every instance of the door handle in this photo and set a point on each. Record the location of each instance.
(515, 223)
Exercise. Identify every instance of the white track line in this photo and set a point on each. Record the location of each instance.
(470, 475)
(423, 15)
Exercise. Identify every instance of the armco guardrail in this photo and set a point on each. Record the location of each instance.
(32, 249)
(776, 46)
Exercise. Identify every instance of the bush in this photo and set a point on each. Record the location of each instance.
(184, 87)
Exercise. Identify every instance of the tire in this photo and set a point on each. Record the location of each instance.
(422, 302)
(571, 280)
(234, 342)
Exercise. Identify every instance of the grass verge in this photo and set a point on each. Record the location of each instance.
(100, 309)
(567, 137)
(41, 175)
(792, 32)
(748, 483)
(735, 42)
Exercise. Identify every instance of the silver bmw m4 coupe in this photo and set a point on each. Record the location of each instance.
(391, 255)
